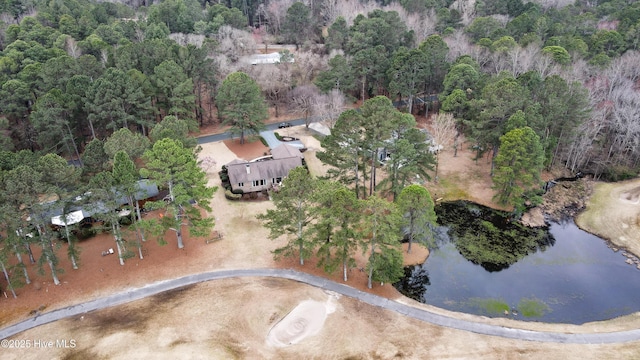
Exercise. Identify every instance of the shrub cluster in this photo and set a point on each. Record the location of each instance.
(231, 196)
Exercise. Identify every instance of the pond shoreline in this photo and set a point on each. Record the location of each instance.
(612, 213)
(565, 268)
(598, 208)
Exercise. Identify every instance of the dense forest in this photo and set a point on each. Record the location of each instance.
(546, 83)
(73, 71)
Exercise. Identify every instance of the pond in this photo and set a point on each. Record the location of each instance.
(483, 264)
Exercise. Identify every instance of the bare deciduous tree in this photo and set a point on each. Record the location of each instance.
(459, 44)
(301, 100)
(276, 12)
(186, 39)
(545, 65)
(328, 107)
(71, 45)
(235, 43)
(423, 25)
(444, 132)
(329, 11)
(208, 164)
(467, 10)
(307, 66)
(274, 80)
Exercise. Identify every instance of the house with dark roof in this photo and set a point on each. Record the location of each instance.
(265, 172)
(79, 209)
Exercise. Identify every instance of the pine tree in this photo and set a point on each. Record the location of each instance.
(519, 162)
(241, 105)
(292, 214)
(173, 167)
(417, 209)
(380, 236)
(337, 215)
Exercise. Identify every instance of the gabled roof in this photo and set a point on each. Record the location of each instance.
(285, 151)
(259, 170)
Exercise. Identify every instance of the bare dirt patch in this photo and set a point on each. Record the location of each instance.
(251, 149)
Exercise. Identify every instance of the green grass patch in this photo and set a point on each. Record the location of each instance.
(452, 190)
(596, 207)
(532, 308)
(264, 142)
(490, 306)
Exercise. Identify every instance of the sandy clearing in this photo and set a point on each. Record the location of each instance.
(219, 152)
(305, 320)
(613, 213)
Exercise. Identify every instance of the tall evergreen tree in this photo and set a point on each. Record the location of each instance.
(23, 187)
(408, 155)
(52, 119)
(116, 101)
(177, 129)
(518, 165)
(173, 90)
(379, 119)
(292, 214)
(339, 76)
(381, 239)
(297, 24)
(134, 144)
(103, 202)
(125, 176)
(500, 99)
(344, 149)
(338, 215)
(173, 167)
(417, 209)
(241, 105)
(407, 74)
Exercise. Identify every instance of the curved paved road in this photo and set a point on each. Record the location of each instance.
(416, 313)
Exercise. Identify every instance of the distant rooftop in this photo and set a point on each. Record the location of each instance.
(255, 59)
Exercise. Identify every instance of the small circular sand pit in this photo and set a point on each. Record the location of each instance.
(632, 196)
(306, 319)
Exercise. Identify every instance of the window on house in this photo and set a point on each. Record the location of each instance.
(254, 183)
(262, 182)
(278, 180)
(240, 184)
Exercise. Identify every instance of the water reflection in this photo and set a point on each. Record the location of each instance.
(560, 274)
(415, 282)
(489, 238)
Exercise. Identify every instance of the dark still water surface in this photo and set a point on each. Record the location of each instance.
(573, 277)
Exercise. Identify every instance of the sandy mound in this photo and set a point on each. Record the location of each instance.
(306, 319)
(632, 196)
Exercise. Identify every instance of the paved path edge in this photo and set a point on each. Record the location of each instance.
(371, 299)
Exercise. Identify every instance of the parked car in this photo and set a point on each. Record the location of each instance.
(283, 125)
